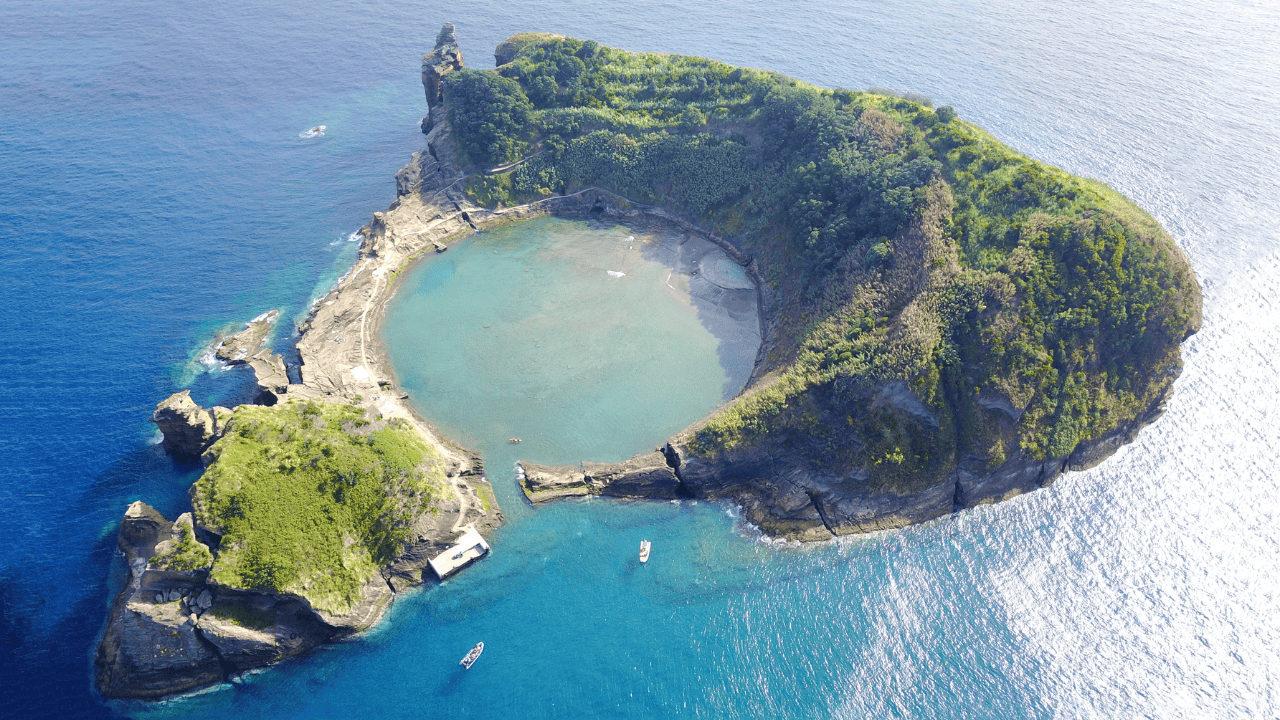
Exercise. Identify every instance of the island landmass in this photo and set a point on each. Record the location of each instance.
(945, 323)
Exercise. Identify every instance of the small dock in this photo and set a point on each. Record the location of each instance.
(466, 550)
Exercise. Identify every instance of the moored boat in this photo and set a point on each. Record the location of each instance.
(644, 551)
(470, 659)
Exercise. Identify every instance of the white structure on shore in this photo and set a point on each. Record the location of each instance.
(468, 548)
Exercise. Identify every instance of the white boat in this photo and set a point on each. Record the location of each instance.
(644, 551)
(470, 659)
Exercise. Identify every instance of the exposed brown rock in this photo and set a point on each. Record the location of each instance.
(444, 59)
(250, 630)
(551, 482)
(236, 349)
(151, 650)
(273, 380)
(188, 428)
(150, 647)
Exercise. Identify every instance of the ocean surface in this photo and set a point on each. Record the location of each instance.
(154, 188)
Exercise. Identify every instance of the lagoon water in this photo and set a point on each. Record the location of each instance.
(155, 188)
(586, 341)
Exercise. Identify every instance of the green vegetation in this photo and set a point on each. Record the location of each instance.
(311, 498)
(903, 245)
(185, 555)
(492, 112)
(243, 615)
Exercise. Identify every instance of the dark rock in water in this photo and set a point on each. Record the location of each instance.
(238, 348)
(188, 428)
(151, 647)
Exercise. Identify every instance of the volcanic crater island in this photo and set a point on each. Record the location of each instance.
(944, 323)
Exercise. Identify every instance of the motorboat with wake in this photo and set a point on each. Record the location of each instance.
(472, 656)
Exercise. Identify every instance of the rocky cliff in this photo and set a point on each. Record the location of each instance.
(444, 59)
(188, 428)
(194, 611)
(170, 630)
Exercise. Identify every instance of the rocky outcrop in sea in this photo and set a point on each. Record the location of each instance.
(170, 630)
(444, 59)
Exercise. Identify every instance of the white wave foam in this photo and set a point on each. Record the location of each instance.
(353, 237)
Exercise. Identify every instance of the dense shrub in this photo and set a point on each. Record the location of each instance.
(311, 499)
(490, 113)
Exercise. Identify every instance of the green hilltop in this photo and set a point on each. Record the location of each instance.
(311, 498)
(896, 243)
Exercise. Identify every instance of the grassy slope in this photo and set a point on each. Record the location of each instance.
(900, 244)
(311, 498)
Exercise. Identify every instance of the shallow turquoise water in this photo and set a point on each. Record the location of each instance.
(522, 332)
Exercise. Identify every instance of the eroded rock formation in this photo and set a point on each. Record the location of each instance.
(188, 428)
(171, 629)
(780, 491)
(237, 348)
(444, 59)
(151, 647)
(271, 376)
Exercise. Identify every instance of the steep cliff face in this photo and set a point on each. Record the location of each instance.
(170, 630)
(444, 59)
(151, 647)
(188, 428)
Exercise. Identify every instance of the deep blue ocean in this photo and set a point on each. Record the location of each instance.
(154, 189)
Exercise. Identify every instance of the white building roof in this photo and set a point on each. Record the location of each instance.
(466, 549)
